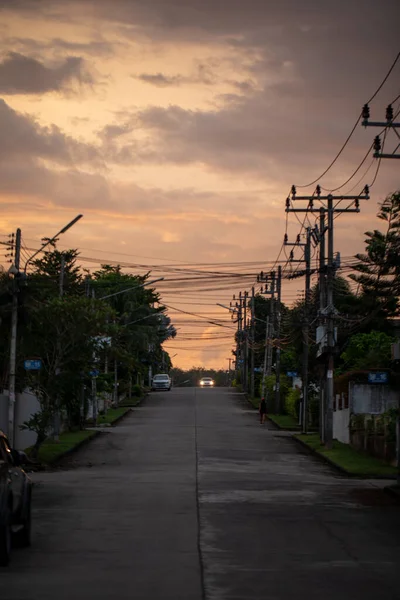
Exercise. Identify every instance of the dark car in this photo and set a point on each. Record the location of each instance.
(15, 500)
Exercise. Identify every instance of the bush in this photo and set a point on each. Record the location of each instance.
(292, 403)
(270, 382)
(137, 390)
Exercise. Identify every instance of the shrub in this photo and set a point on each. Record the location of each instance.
(136, 390)
(292, 403)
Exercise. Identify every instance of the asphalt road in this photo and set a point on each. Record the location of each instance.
(191, 498)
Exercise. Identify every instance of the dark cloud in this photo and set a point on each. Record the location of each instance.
(21, 137)
(160, 80)
(20, 74)
(98, 47)
(203, 74)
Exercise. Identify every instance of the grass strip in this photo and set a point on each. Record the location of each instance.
(50, 451)
(284, 422)
(348, 459)
(112, 415)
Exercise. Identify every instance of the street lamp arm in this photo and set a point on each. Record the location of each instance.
(63, 230)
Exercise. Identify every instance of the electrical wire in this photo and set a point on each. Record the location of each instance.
(354, 127)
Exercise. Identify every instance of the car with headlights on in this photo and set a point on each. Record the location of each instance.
(206, 382)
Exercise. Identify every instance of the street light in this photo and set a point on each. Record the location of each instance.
(14, 325)
(63, 230)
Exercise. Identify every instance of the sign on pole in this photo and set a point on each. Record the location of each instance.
(32, 364)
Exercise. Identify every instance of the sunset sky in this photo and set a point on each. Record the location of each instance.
(177, 128)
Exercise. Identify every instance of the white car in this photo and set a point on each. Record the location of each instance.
(161, 382)
(206, 382)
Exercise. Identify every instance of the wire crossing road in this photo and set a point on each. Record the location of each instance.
(191, 498)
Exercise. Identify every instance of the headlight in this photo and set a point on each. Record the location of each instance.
(201, 382)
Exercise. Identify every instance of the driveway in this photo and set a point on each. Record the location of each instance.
(190, 498)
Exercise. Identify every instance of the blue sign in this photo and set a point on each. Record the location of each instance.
(33, 365)
(378, 377)
(291, 373)
(258, 370)
(94, 373)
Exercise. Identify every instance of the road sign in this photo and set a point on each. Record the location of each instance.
(94, 373)
(33, 364)
(378, 377)
(291, 373)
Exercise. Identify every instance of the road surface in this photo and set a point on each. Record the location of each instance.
(191, 498)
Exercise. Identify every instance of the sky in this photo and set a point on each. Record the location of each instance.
(177, 127)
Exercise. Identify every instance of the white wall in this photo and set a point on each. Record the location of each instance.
(26, 405)
(341, 422)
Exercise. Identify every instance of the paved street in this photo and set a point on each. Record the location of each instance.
(190, 498)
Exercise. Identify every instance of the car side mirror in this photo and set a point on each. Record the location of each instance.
(17, 458)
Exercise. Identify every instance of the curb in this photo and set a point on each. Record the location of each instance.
(139, 401)
(337, 467)
(283, 428)
(74, 448)
(121, 417)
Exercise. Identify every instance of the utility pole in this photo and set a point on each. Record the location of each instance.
(246, 345)
(13, 342)
(57, 415)
(328, 342)
(322, 304)
(278, 345)
(253, 339)
(229, 371)
(306, 329)
(269, 330)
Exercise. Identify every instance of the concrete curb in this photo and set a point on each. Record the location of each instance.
(121, 417)
(74, 448)
(337, 467)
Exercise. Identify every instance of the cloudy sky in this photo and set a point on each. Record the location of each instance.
(178, 126)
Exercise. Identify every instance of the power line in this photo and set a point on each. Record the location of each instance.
(354, 127)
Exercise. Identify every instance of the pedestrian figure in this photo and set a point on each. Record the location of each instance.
(262, 410)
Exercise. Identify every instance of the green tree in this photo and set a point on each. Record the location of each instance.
(368, 351)
(379, 267)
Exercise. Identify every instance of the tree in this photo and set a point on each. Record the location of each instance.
(379, 267)
(368, 351)
(63, 333)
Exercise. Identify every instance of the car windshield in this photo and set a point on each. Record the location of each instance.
(206, 379)
(160, 377)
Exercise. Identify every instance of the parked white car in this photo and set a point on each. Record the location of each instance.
(161, 382)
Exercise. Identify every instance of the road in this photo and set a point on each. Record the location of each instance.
(191, 498)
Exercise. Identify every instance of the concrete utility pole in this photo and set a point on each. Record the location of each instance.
(278, 345)
(246, 345)
(253, 339)
(57, 416)
(13, 341)
(306, 328)
(269, 331)
(328, 342)
(322, 304)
